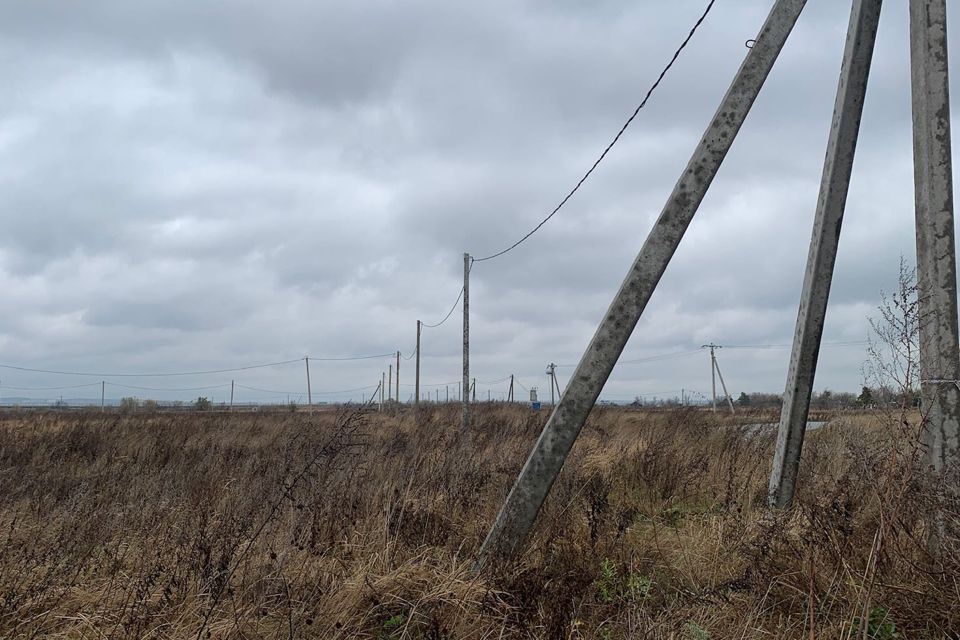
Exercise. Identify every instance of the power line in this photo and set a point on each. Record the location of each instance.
(453, 308)
(207, 388)
(852, 343)
(75, 386)
(616, 138)
(189, 373)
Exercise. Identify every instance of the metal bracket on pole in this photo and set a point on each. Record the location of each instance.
(834, 185)
(531, 487)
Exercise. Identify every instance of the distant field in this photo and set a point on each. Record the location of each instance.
(291, 525)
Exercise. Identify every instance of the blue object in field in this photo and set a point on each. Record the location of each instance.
(535, 406)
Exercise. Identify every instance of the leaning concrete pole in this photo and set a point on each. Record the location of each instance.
(531, 487)
(465, 411)
(834, 185)
(936, 253)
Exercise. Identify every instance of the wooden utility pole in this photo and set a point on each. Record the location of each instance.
(416, 394)
(520, 509)
(465, 410)
(309, 392)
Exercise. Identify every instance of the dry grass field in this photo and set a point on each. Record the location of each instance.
(291, 525)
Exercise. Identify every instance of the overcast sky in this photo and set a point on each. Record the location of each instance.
(202, 185)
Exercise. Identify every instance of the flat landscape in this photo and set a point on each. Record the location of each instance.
(366, 525)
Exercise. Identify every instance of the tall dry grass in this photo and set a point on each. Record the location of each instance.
(345, 526)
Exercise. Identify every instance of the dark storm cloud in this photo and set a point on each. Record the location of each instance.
(199, 185)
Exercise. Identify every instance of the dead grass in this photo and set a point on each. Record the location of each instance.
(324, 526)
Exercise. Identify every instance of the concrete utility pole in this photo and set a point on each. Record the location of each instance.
(510, 392)
(473, 390)
(723, 385)
(831, 204)
(552, 372)
(309, 393)
(713, 370)
(389, 384)
(416, 393)
(103, 394)
(448, 394)
(398, 377)
(465, 413)
(936, 245)
(529, 491)
(383, 382)
(231, 395)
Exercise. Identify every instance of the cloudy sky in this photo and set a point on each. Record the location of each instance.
(192, 186)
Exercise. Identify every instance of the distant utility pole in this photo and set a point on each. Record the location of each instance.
(398, 377)
(473, 390)
(448, 394)
(416, 394)
(510, 392)
(231, 395)
(552, 372)
(309, 392)
(383, 382)
(488, 395)
(714, 373)
(390, 384)
(465, 411)
(103, 394)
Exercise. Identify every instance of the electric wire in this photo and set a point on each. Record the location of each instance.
(189, 373)
(207, 388)
(75, 386)
(616, 138)
(454, 307)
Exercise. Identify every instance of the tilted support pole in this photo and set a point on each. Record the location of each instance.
(531, 487)
(834, 185)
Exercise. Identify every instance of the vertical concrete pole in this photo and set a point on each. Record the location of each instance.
(398, 377)
(834, 185)
(103, 394)
(231, 395)
(309, 391)
(389, 383)
(465, 411)
(936, 250)
(550, 451)
(713, 376)
(416, 394)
